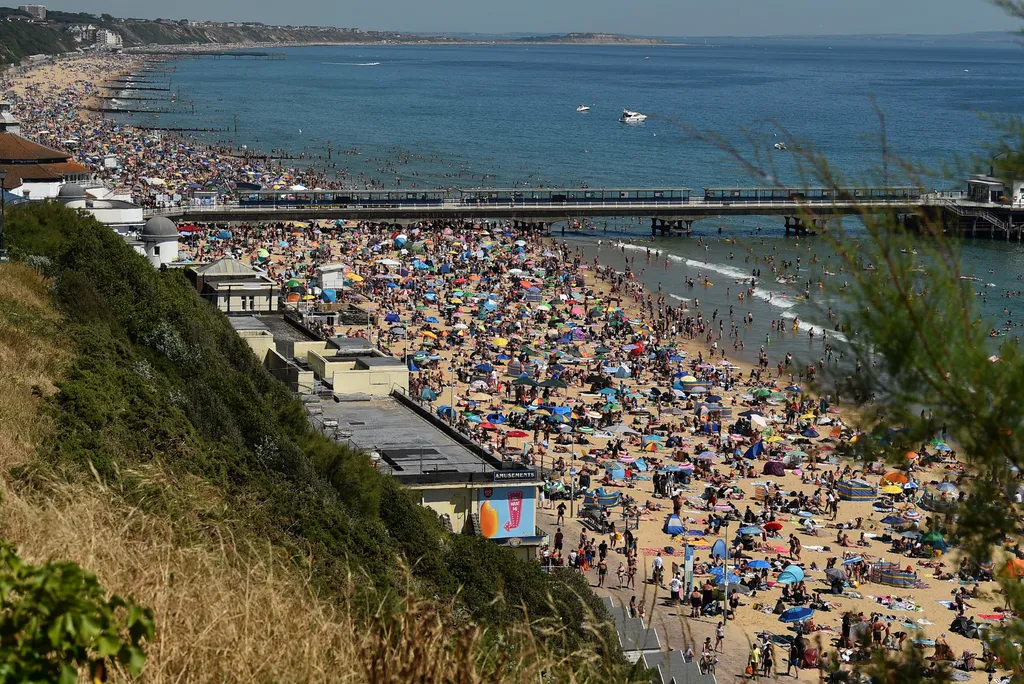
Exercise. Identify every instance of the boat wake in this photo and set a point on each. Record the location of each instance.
(352, 63)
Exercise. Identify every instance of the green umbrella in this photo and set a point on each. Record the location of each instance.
(554, 383)
(528, 382)
(293, 283)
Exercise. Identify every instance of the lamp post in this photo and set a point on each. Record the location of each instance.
(3, 203)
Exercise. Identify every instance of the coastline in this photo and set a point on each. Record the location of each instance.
(651, 535)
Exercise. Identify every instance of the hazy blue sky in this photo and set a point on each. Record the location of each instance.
(646, 17)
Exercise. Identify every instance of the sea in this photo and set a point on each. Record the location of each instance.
(432, 117)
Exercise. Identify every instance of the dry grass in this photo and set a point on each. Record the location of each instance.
(225, 611)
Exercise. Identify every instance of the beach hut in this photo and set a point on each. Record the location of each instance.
(857, 490)
(673, 525)
(892, 574)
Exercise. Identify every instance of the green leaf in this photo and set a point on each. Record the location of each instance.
(107, 645)
(68, 675)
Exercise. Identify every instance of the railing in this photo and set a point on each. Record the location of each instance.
(451, 206)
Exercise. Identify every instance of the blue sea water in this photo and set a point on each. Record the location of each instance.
(510, 111)
(464, 116)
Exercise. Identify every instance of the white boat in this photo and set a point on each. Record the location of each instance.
(780, 146)
(583, 108)
(632, 117)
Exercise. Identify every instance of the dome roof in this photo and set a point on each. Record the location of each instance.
(71, 191)
(159, 227)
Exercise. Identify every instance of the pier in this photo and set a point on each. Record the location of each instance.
(805, 211)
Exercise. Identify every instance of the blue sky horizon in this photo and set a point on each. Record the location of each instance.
(663, 18)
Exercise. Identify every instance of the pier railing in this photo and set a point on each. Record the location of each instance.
(691, 205)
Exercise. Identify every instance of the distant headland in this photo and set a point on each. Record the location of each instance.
(33, 31)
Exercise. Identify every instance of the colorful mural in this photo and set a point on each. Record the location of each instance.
(507, 512)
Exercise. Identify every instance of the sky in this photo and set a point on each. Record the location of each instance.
(683, 18)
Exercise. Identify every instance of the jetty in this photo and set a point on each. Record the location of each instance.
(805, 211)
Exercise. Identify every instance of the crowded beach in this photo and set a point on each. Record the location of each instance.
(712, 498)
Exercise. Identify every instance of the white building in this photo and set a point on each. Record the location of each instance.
(37, 12)
(123, 216)
(31, 170)
(106, 38)
(159, 239)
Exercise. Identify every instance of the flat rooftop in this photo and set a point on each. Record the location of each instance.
(282, 330)
(409, 445)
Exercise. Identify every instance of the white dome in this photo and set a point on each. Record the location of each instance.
(159, 227)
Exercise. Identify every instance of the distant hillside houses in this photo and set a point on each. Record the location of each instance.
(82, 33)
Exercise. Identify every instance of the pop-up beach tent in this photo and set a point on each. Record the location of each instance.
(774, 468)
(673, 525)
(791, 575)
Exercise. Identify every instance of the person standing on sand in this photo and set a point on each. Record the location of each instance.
(720, 637)
(621, 572)
(560, 520)
(602, 570)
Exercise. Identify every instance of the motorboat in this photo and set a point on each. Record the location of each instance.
(632, 117)
(780, 146)
(583, 108)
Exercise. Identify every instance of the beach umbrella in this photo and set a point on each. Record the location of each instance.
(836, 575)
(733, 579)
(759, 565)
(517, 434)
(487, 425)
(293, 283)
(892, 489)
(773, 526)
(626, 458)
(652, 447)
(810, 433)
(851, 561)
(946, 487)
(496, 418)
(942, 446)
(472, 417)
(428, 394)
(895, 476)
(794, 388)
(798, 614)
(910, 485)
(892, 520)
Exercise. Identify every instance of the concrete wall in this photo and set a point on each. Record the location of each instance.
(261, 341)
(377, 382)
(163, 252)
(261, 300)
(455, 501)
(295, 378)
(116, 217)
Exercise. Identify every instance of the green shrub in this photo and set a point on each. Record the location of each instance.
(162, 376)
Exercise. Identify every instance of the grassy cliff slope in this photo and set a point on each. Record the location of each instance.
(142, 439)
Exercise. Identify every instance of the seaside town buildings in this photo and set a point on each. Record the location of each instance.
(37, 12)
(33, 171)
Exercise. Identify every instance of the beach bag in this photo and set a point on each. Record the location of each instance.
(810, 658)
(750, 670)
